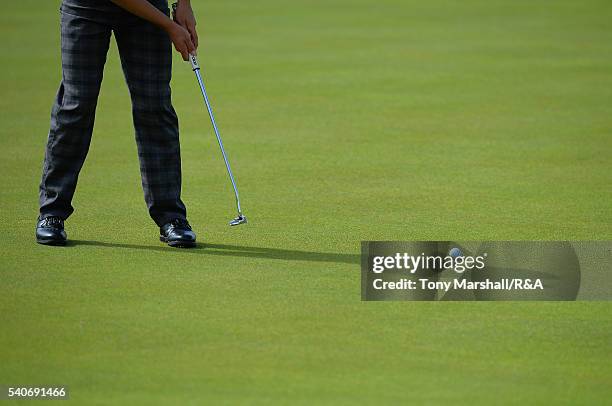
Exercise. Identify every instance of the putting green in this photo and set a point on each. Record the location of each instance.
(344, 121)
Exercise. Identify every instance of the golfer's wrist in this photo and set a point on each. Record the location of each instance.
(167, 25)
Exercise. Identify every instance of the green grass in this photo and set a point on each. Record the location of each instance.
(345, 120)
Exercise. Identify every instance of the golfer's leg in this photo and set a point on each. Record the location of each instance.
(84, 46)
(146, 58)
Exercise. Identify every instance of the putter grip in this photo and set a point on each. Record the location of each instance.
(194, 62)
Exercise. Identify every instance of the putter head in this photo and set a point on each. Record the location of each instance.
(241, 219)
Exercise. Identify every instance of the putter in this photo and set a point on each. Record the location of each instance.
(240, 219)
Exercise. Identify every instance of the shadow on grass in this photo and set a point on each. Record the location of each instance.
(233, 251)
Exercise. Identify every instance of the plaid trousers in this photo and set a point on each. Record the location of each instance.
(146, 58)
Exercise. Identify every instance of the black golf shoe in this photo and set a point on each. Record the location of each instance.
(50, 231)
(177, 233)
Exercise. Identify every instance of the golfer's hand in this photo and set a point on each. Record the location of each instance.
(181, 38)
(184, 16)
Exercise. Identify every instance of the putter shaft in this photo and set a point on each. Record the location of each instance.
(196, 69)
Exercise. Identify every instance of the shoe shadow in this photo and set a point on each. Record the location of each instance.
(234, 251)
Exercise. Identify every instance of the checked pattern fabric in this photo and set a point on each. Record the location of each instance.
(146, 58)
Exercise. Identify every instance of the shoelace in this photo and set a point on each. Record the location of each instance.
(180, 223)
(53, 221)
